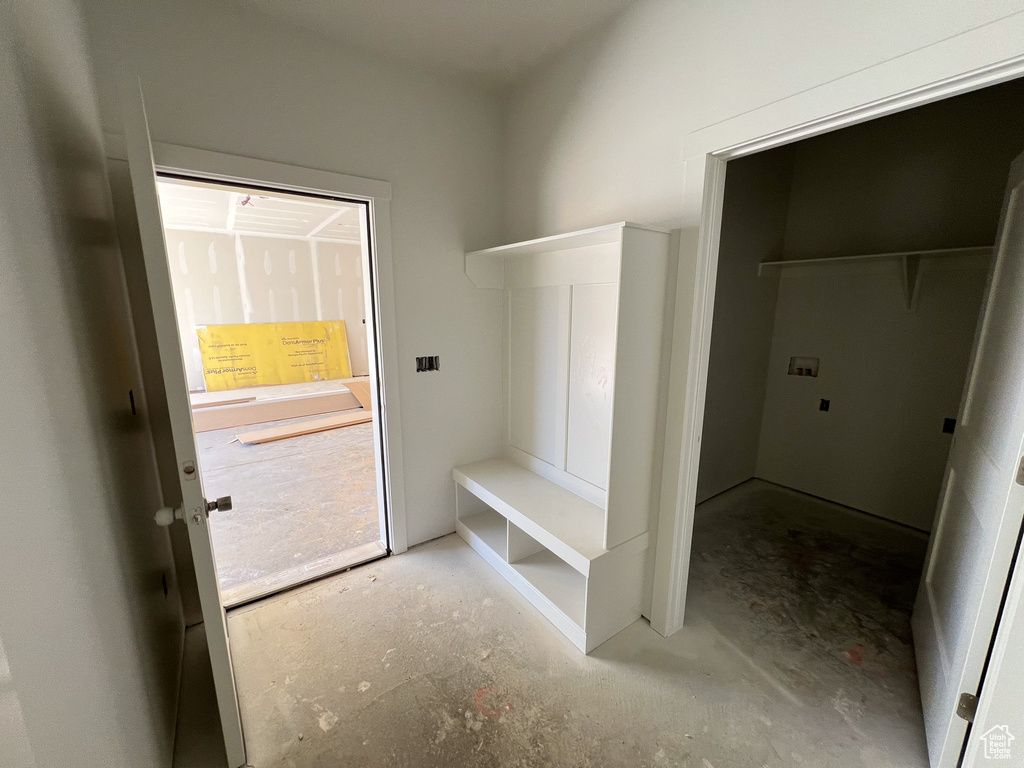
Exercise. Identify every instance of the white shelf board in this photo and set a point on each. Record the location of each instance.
(559, 583)
(485, 267)
(609, 233)
(566, 625)
(491, 527)
(567, 524)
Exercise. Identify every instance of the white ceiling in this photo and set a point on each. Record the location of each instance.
(494, 41)
(205, 208)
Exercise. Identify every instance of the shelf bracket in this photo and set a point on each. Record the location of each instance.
(485, 270)
(911, 279)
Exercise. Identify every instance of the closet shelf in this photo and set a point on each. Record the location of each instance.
(981, 250)
(911, 264)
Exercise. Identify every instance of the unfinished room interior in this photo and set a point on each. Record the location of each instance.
(619, 382)
(270, 304)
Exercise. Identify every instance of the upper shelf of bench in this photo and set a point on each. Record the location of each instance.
(485, 268)
(567, 524)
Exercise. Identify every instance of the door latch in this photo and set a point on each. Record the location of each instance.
(967, 707)
(167, 515)
(222, 504)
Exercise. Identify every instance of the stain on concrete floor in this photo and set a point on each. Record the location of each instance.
(295, 501)
(431, 659)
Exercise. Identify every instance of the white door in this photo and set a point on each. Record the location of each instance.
(371, 322)
(998, 730)
(194, 506)
(981, 505)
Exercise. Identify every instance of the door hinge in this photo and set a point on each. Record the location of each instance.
(967, 707)
(1020, 472)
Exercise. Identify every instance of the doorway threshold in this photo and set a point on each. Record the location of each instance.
(302, 574)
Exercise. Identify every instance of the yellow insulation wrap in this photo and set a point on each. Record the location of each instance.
(257, 354)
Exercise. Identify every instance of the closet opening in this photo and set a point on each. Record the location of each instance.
(273, 294)
(854, 270)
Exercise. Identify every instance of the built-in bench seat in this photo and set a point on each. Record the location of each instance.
(548, 543)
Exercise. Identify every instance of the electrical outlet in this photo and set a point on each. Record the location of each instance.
(428, 363)
(949, 426)
(824, 404)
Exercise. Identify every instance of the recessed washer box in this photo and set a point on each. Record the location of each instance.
(803, 366)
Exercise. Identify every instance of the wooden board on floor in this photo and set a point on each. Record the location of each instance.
(361, 389)
(305, 427)
(260, 412)
(218, 403)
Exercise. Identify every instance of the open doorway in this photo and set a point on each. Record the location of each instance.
(273, 298)
(852, 270)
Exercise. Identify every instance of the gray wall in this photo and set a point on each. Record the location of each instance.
(931, 177)
(891, 377)
(753, 230)
(89, 643)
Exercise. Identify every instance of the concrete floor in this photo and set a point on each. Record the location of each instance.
(795, 653)
(297, 503)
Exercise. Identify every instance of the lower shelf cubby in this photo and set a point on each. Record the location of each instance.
(588, 599)
(559, 582)
(565, 589)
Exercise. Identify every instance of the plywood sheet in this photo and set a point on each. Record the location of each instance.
(305, 427)
(256, 412)
(217, 403)
(360, 389)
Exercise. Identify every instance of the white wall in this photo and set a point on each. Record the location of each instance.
(204, 262)
(340, 266)
(609, 129)
(89, 643)
(619, 127)
(221, 78)
(190, 255)
(753, 230)
(891, 377)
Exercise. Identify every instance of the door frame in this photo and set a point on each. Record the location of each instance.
(220, 167)
(691, 335)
